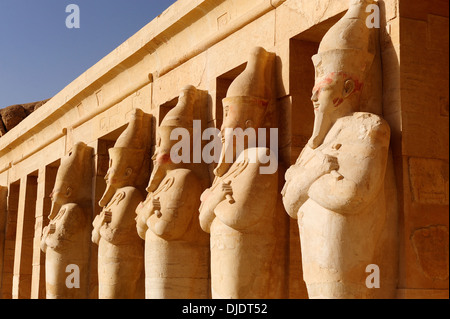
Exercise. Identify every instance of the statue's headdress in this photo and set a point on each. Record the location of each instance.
(131, 150)
(348, 47)
(75, 172)
(250, 93)
(182, 115)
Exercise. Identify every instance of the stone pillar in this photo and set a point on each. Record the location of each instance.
(10, 240)
(46, 179)
(24, 238)
(101, 161)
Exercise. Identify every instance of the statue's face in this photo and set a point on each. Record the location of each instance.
(231, 117)
(161, 159)
(61, 192)
(328, 93)
(118, 172)
(163, 147)
(329, 97)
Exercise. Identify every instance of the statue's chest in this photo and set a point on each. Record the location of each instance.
(116, 202)
(236, 176)
(165, 190)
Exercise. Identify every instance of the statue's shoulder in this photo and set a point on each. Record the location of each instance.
(259, 156)
(128, 192)
(370, 125)
(182, 173)
(370, 119)
(184, 176)
(257, 163)
(70, 208)
(70, 212)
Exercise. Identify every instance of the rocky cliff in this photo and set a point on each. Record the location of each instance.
(12, 115)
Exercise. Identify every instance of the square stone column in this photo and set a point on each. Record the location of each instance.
(24, 238)
(46, 181)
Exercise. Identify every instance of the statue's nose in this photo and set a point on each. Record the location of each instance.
(315, 96)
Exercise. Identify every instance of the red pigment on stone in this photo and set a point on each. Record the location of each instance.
(164, 158)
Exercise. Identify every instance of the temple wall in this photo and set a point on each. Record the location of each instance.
(205, 43)
(422, 158)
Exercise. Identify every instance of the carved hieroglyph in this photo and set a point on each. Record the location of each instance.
(121, 251)
(176, 248)
(66, 240)
(239, 210)
(338, 187)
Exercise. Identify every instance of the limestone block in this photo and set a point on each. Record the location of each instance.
(176, 249)
(419, 10)
(437, 33)
(424, 64)
(431, 248)
(307, 14)
(419, 130)
(429, 181)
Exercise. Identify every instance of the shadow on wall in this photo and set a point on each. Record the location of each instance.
(12, 115)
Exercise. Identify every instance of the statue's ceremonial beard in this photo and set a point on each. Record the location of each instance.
(107, 195)
(322, 124)
(54, 210)
(223, 166)
(158, 174)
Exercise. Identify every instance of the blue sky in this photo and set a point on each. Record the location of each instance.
(39, 55)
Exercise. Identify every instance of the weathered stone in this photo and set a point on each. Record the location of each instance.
(66, 239)
(341, 189)
(176, 248)
(205, 43)
(239, 210)
(12, 115)
(429, 181)
(121, 251)
(2, 128)
(431, 248)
